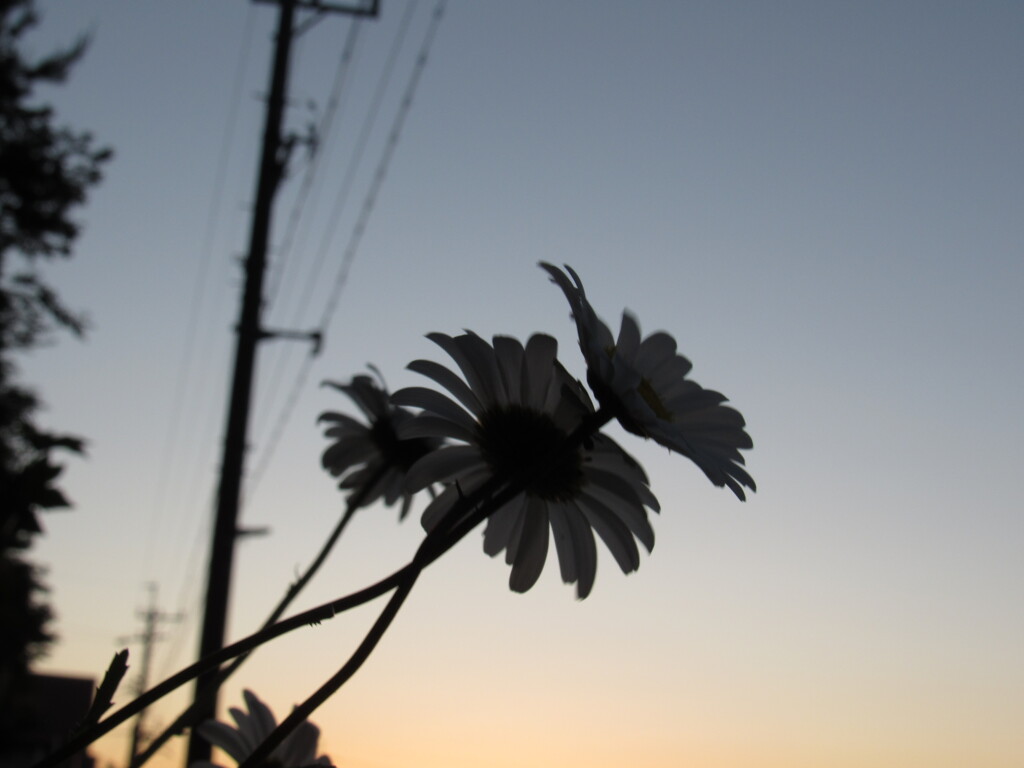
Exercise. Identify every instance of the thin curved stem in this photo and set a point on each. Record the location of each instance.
(355, 661)
(316, 615)
(186, 718)
(469, 512)
(459, 522)
(313, 616)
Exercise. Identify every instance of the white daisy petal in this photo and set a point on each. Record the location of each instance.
(530, 406)
(509, 353)
(483, 357)
(533, 547)
(586, 550)
(634, 517)
(449, 381)
(363, 453)
(439, 506)
(564, 544)
(343, 454)
(262, 719)
(481, 384)
(657, 347)
(613, 532)
(435, 402)
(643, 382)
(429, 426)
(503, 526)
(254, 725)
(628, 343)
(340, 420)
(300, 746)
(225, 737)
(539, 359)
(441, 466)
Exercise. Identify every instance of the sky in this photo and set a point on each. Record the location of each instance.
(823, 202)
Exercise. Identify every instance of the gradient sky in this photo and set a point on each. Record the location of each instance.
(822, 201)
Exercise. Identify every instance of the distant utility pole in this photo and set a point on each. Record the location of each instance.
(151, 618)
(250, 333)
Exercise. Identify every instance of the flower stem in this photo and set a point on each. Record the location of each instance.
(186, 718)
(464, 516)
(302, 712)
(469, 512)
(313, 616)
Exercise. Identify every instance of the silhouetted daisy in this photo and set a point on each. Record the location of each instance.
(643, 382)
(253, 727)
(361, 452)
(516, 409)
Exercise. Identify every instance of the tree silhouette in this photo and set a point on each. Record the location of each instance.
(45, 171)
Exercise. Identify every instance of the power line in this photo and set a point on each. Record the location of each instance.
(317, 142)
(250, 332)
(369, 201)
(343, 191)
(368, 123)
(198, 295)
(382, 167)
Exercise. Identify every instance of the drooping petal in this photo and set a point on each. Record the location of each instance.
(643, 382)
(375, 453)
(533, 547)
(501, 531)
(585, 548)
(613, 532)
(565, 546)
(344, 454)
(531, 405)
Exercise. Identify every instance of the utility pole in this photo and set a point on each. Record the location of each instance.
(249, 334)
(151, 617)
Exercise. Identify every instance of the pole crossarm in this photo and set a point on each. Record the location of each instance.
(316, 338)
(356, 9)
(250, 332)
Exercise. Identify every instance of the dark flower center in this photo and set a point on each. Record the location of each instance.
(523, 444)
(399, 453)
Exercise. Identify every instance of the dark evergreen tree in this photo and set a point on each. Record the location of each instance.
(46, 171)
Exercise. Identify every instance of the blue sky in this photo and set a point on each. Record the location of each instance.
(821, 201)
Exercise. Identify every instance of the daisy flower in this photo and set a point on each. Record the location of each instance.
(362, 453)
(253, 727)
(643, 382)
(513, 411)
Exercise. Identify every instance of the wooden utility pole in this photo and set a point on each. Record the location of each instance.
(250, 332)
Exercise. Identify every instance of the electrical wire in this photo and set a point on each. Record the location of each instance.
(355, 238)
(197, 299)
(322, 138)
(313, 278)
(319, 140)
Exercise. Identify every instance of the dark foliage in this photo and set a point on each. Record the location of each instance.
(46, 171)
